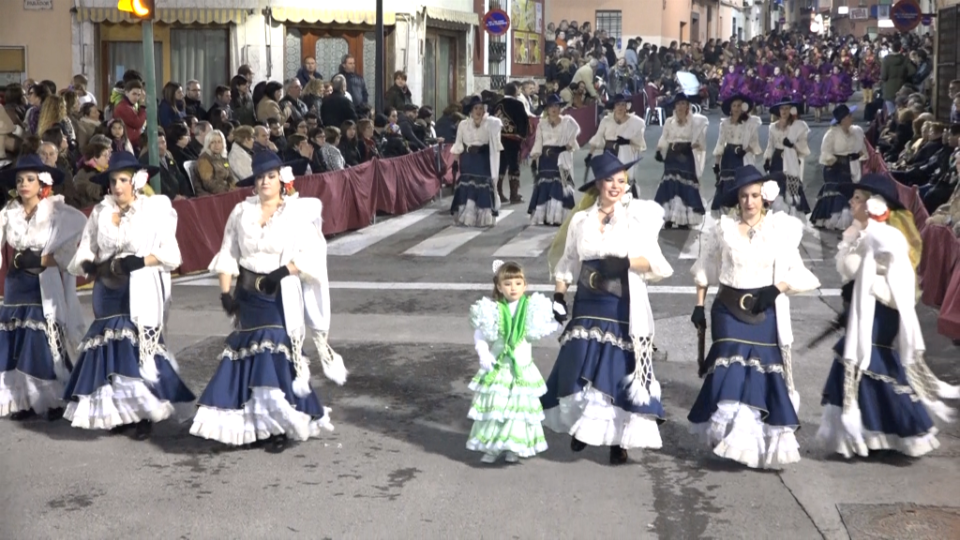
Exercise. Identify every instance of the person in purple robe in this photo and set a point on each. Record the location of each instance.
(731, 84)
(797, 87)
(816, 93)
(836, 91)
(776, 90)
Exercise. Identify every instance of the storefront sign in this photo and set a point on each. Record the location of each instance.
(37, 5)
(496, 22)
(906, 15)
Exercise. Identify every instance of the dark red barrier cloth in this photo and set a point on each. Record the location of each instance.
(948, 323)
(350, 200)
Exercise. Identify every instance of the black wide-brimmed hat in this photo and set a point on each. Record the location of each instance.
(604, 166)
(742, 177)
(775, 110)
(264, 162)
(841, 112)
(878, 184)
(679, 97)
(554, 100)
(473, 102)
(621, 97)
(122, 161)
(29, 163)
(727, 103)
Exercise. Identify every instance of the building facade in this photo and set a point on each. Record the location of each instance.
(431, 40)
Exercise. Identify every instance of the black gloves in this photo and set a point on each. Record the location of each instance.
(130, 264)
(699, 318)
(623, 142)
(765, 298)
(716, 168)
(586, 160)
(559, 307)
(846, 292)
(89, 268)
(739, 151)
(613, 267)
(229, 303)
(766, 165)
(787, 143)
(23, 260)
(658, 156)
(272, 280)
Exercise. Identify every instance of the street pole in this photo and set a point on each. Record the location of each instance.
(378, 78)
(151, 79)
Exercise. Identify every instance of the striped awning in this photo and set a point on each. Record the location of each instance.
(467, 18)
(329, 16)
(166, 15)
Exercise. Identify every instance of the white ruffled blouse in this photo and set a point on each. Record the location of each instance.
(485, 319)
(731, 259)
(693, 131)
(632, 128)
(797, 132)
(850, 252)
(840, 143)
(563, 134)
(35, 234)
(469, 134)
(745, 134)
(259, 248)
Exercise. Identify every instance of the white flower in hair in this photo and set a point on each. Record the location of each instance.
(876, 206)
(46, 178)
(769, 191)
(744, 106)
(496, 265)
(286, 175)
(793, 111)
(140, 179)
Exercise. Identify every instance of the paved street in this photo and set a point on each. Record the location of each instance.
(396, 466)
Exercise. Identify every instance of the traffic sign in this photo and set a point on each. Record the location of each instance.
(927, 20)
(906, 15)
(496, 22)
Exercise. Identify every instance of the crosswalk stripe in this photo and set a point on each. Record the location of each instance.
(355, 242)
(446, 241)
(531, 242)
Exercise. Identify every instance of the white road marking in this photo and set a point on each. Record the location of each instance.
(446, 241)
(355, 242)
(531, 242)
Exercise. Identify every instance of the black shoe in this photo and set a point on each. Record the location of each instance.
(54, 414)
(577, 446)
(144, 430)
(122, 428)
(277, 444)
(618, 455)
(20, 416)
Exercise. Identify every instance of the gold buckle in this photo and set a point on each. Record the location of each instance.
(256, 284)
(743, 300)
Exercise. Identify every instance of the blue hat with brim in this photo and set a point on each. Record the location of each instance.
(841, 112)
(621, 97)
(742, 177)
(878, 184)
(604, 166)
(554, 100)
(725, 107)
(469, 105)
(29, 163)
(122, 161)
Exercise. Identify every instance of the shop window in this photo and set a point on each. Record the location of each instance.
(13, 65)
(611, 21)
(201, 54)
(125, 55)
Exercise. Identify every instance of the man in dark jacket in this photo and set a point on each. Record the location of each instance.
(308, 71)
(291, 102)
(355, 83)
(220, 107)
(398, 96)
(895, 71)
(192, 100)
(405, 121)
(337, 107)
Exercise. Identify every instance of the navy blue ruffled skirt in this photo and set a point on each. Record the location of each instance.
(892, 415)
(729, 162)
(28, 379)
(832, 208)
(791, 189)
(474, 199)
(679, 190)
(251, 395)
(552, 196)
(106, 389)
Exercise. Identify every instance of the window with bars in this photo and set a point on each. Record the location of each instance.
(611, 21)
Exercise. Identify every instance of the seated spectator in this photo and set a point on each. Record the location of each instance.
(926, 160)
(261, 140)
(300, 154)
(914, 145)
(213, 167)
(88, 123)
(943, 181)
(423, 126)
(350, 144)
(369, 148)
(394, 143)
(117, 133)
(446, 125)
(317, 139)
(277, 136)
(241, 155)
(313, 121)
(172, 107)
(332, 158)
(948, 214)
(96, 159)
(200, 132)
(51, 155)
(172, 182)
(179, 138)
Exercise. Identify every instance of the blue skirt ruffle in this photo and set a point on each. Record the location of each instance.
(832, 206)
(729, 162)
(679, 190)
(24, 346)
(552, 196)
(475, 201)
(791, 190)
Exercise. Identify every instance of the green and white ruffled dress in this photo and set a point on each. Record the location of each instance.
(506, 406)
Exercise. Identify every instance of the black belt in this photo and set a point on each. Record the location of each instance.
(109, 273)
(14, 266)
(550, 151)
(740, 302)
(681, 147)
(592, 280)
(252, 281)
(733, 146)
(479, 149)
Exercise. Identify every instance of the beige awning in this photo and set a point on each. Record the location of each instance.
(167, 16)
(328, 16)
(467, 18)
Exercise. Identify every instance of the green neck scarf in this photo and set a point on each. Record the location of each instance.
(512, 328)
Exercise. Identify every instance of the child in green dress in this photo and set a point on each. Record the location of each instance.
(506, 406)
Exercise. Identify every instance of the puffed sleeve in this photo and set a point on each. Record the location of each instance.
(87, 250)
(569, 264)
(796, 275)
(597, 142)
(664, 140)
(164, 218)
(540, 320)
(458, 146)
(706, 270)
(768, 153)
(537, 144)
(849, 255)
(227, 260)
(572, 129)
(3, 232)
(722, 139)
(648, 217)
(311, 255)
(485, 318)
(861, 147)
(827, 152)
(493, 127)
(71, 223)
(801, 145)
(637, 141)
(754, 144)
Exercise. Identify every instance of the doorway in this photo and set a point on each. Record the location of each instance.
(440, 68)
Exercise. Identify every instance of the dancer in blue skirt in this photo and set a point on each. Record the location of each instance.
(475, 200)
(621, 132)
(40, 321)
(880, 391)
(273, 244)
(682, 150)
(553, 148)
(786, 149)
(747, 407)
(737, 145)
(125, 375)
(842, 150)
(602, 390)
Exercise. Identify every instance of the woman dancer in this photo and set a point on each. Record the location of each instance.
(125, 375)
(40, 319)
(682, 150)
(816, 92)
(841, 152)
(786, 149)
(880, 390)
(602, 390)
(553, 148)
(475, 201)
(738, 143)
(620, 133)
(273, 244)
(747, 407)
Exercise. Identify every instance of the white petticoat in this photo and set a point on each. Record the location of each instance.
(266, 414)
(677, 212)
(124, 401)
(837, 222)
(20, 392)
(593, 419)
(837, 439)
(735, 431)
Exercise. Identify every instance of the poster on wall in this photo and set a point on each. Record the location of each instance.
(526, 18)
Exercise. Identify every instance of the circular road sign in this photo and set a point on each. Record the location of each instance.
(906, 15)
(496, 22)
(926, 20)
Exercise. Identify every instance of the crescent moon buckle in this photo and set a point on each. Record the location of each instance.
(256, 284)
(747, 302)
(592, 281)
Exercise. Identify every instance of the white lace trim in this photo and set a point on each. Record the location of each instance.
(20, 392)
(838, 439)
(735, 431)
(123, 401)
(265, 346)
(593, 419)
(753, 363)
(595, 334)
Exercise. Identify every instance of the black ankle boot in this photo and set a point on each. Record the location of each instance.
(54, 414)
(618, 455)
(20, 416)
(277, 444)
(144, 430)
(577, 446)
